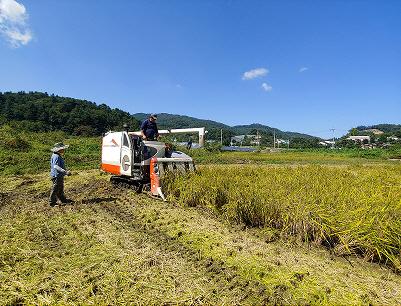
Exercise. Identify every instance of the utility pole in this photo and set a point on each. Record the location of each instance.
(332, 146)
(257, 137)
(221, 136)
(274, 139)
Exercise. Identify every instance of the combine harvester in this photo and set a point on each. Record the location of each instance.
(141, 165)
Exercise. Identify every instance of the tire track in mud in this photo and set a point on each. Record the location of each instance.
(20, 195)
(4, 199)
(219, 275)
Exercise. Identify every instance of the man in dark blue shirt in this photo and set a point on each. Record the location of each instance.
(57, 173)
(149, 129)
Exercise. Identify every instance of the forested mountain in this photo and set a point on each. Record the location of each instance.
(36, 111)
(168, 121)
(250, 128)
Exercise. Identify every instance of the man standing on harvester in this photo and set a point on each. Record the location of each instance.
(149, 129)
(57, 173)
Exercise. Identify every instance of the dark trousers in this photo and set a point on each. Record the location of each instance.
(57, 191)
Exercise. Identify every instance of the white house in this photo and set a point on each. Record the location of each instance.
(237, 140)
(327, 143)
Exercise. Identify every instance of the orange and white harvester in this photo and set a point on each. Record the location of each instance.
(140, 164)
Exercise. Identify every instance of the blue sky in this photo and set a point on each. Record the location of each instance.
(305, 66)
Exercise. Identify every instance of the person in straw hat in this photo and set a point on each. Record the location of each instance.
(57, 173)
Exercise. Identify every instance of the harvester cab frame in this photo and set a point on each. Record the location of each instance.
(139, 164)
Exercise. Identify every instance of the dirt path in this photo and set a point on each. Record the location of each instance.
(219, 283)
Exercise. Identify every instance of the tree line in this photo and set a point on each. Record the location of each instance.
(41, 112)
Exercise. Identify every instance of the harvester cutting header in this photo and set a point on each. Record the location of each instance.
(140, 164)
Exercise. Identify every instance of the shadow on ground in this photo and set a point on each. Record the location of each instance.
(97, 200)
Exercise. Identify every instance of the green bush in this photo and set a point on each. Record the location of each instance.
(15, 143)
(25, 152)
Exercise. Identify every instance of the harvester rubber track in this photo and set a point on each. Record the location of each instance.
(126, 183)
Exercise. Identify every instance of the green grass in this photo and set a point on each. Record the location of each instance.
(358, 156)
(28, 153)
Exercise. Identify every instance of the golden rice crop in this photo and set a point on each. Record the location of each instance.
(355, 210)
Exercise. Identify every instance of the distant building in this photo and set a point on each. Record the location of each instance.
(239, 139)
(255, 139)
(282, 142)
(327, 143)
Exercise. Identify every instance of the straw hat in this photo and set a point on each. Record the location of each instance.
(59, 146)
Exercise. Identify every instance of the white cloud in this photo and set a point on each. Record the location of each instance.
(12, 10)
(13, 25)
(302, 69)
(16, 37)
(255, 73)
(267, 87)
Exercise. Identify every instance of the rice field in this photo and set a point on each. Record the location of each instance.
(114, 246)
(350, 209)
